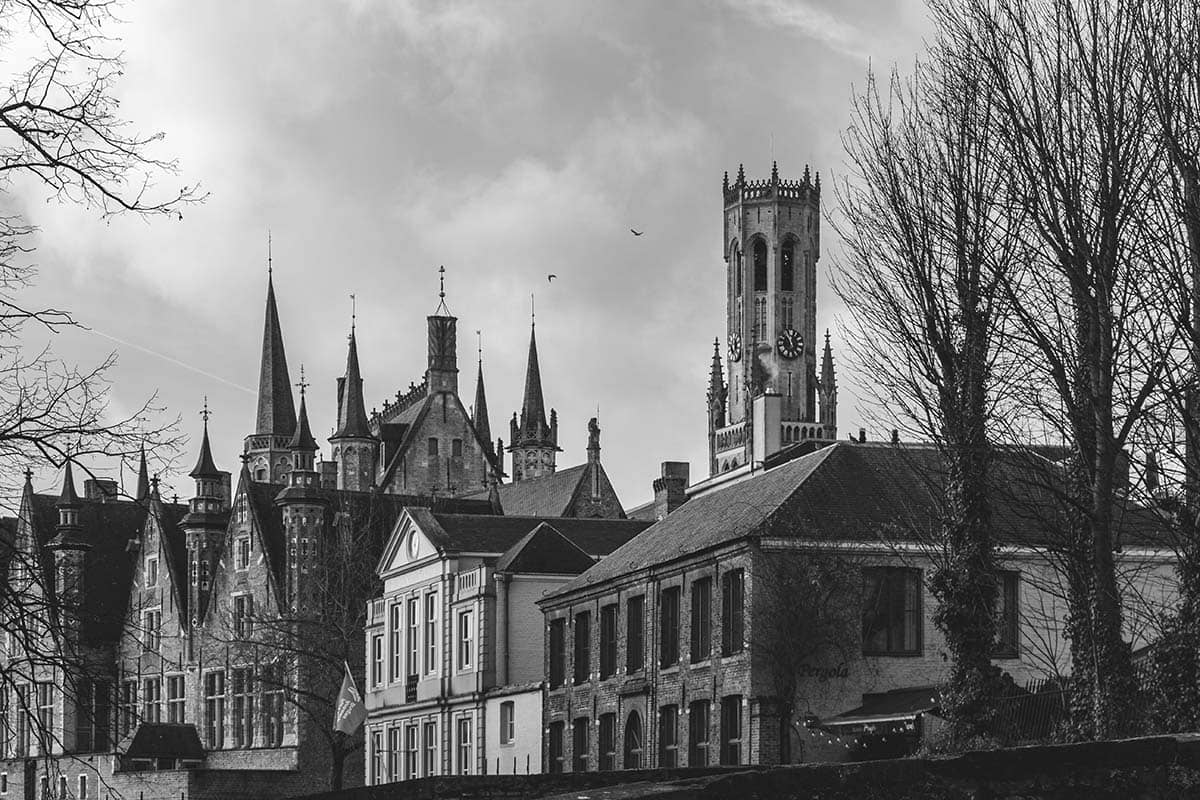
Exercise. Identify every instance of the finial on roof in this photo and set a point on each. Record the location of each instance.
(206, 413)
(774, 172)
(725, 181)
(303, 384)
(741, 176)
(28, 476)
(442, 291)
(353, 314)
(269, 264)
(532, 310)
(807, 175)
(479, 343)
(68, 496)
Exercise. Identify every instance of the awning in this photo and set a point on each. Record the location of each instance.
(155, 740)
(884, 712)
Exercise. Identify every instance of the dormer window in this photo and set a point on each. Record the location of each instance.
(152, 571)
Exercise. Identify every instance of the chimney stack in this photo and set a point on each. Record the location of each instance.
(862, 435)
(670, 488)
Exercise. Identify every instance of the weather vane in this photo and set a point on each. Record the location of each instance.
(269, 266)
(206, 413)
(353, 312)
(304, 384)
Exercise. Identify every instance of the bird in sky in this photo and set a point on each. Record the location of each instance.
(636, 233)
(550, 278)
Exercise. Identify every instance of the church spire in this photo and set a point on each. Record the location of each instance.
(533, 408)
(532, 442)
(352, 411)
(827, 391)
(205, 466)
(302, 439)
(482, 426)
(276, 408)
(143, 483)
(828, 381)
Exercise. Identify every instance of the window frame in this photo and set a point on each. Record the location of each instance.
(700, 633)
(733, 612)
(699, 732)
(668, 736)
(608, 640)
(214, 709)
(556, 652)
(554, 747)
(581, 664)
(635, 634)
(1008, 615)
(907, 583)
(668, 630)
(731, 730)
(508, 723)
(466, 640)
(581, 745)
(607, 742)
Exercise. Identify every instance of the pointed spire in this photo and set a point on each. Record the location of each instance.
(143, 484)
(774, 172)
(303, 439)
(205, 466)
(482, 426)
(276, 408)
(741, 176)
(716, 376)
(68, 498)
(533, 409)
(807, 175)
(352, 412)
(827, 373)
(725, 182)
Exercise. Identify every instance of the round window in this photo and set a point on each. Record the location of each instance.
(414, 545)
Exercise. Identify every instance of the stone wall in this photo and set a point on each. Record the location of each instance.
(1155, 767)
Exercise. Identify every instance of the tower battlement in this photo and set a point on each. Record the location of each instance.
(773, 188)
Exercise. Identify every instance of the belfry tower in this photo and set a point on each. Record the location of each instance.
(771, 246)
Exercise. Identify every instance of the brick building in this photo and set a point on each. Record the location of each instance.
(664, 653)
(173, 651)
(453, 646)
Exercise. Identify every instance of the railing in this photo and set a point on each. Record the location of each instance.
(467, 582)
(377, 607)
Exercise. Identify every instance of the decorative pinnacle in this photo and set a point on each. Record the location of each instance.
(442, 291)
(205, 413)
(774, 172)
(479, 337)
(532, 311)
(353, 316)
(303, 384)
(269, 265)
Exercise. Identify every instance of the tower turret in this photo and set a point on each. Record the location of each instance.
(771, 248)
(442, 375)
(354, 450)
(143, 484)
(204, 525)
(69, 548)
(303, 509)
(267, 447)
(717, 394)
(532, 442)
(828, 391)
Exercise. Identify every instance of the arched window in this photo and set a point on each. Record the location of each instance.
(787, 267)
(760, 265)
(736, 263)
(633, 741)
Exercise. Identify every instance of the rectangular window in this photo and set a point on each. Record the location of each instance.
(698, 726)
(83, 788)
(214, 709)
(891, 611)
(376, 660)
(463, 744)
(668, 737)
(5, 722)
(151, 630)
(393, 754)
(456, 448)
(733, 612)
(151, 572)
(558, 653)
(45, 715)
(635, 633)
(127, 710)
(668, 601)
(731, 729)
(151, 700)
(23, 712)
(583, 647)
(466, 640)
(760, 319)
(507, 722)
(377, 773)
(243, 615)
(608, 641)
(271, 678)
(243, 707)
(395, 631)
(430, 745)
(91, 718)
(701, 619)
(414, 632)
(433, 446)
(242, 558)
(1007, 615)
(554, 747)
(608, 742)
(431, 651)
(410, 752)
(579, 744)
(175, 701)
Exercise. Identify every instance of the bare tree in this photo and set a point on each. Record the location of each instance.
(929, 239)
(1071, 105)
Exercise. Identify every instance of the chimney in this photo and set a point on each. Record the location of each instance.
(895, 436)
(862, 435)
(670, 488)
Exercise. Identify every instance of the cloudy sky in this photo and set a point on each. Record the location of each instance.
(377, 140)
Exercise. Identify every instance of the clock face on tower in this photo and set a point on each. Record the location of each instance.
(790, 343)
(735, 346)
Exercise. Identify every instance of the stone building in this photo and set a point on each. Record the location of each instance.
(773, 396)
(184, 649)
(668, 651)
(453, 646)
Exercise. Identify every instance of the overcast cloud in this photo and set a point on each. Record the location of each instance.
(378, 139)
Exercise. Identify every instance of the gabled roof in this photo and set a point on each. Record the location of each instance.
(544, 551)
(549, 495)
(475, 533)
(855, 492)
(411, 418)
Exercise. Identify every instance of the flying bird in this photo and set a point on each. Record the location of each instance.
(636, 233)
(550, 278)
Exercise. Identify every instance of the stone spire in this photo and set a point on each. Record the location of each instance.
(482, 426)
(352, 411)
(205, 466)
(143, 484)
(828, 392)
(302, 440)
(828, 379)
(716, 387)
(533, 408)
(276, 409)
(69, 532)
(532, 441)
(68, 498)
